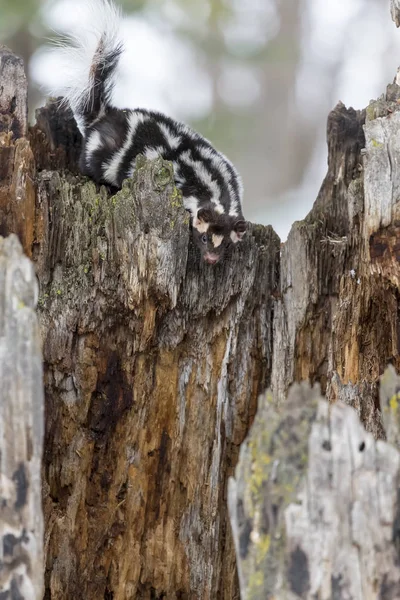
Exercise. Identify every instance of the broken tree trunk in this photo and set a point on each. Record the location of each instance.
(153, 364)
(315, 505)
(337, 317)
(21, 428)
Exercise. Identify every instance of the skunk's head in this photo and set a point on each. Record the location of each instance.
(213, 232)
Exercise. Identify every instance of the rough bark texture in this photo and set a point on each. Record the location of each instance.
(153, 365)
(21, 428)
(337, 318)
(316, 502)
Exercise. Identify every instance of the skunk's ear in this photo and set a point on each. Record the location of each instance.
(202, 220)
(204, 214)
(238, 231)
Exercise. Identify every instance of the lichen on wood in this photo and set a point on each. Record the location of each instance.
(390, 405)
(314, 504)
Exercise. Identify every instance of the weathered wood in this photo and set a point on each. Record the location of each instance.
(153, 364)
(389, 401)
(21, 428)
(316, 258)
(315, 504)
(55, 139)
(337, 320)
(13, 96)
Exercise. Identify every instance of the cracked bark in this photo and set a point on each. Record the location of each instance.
(21, 390)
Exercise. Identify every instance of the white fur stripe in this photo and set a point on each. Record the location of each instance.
(179, 180)
(173, 140)
(205, 177)
(217, 240)
(220, 163)
(152, 153)
(234, 211)
(93, 143)
(112, 167)
(234, 237)
(201, 226)
(192, 204)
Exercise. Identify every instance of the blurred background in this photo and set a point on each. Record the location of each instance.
(256, 77)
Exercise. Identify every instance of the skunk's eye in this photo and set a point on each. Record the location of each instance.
(204, 239)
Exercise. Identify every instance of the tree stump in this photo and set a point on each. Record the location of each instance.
(336, 319)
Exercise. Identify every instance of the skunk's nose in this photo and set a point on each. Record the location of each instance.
(211, 258)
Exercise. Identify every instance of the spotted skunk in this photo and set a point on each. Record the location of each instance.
(113, 138)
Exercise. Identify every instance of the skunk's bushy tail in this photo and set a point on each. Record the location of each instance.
(88, 61)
